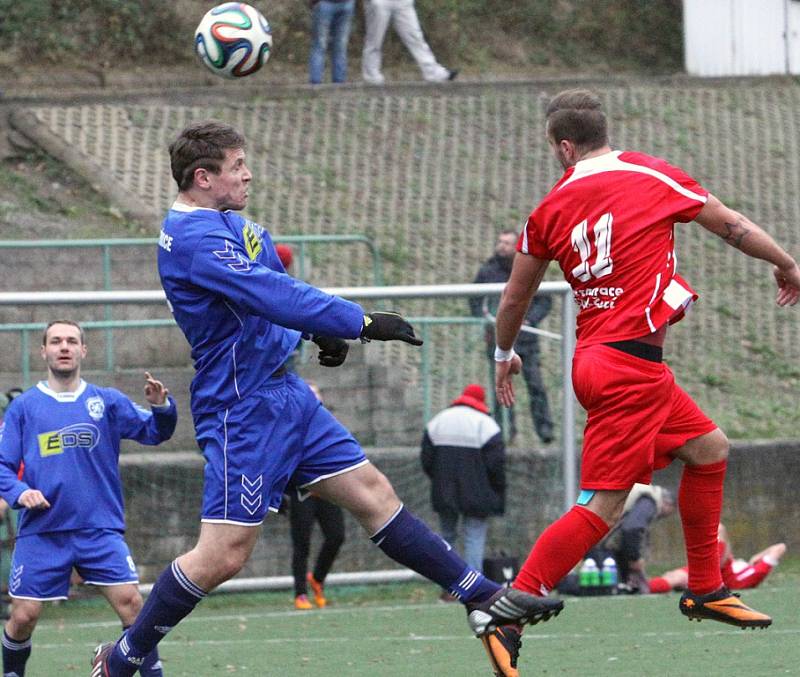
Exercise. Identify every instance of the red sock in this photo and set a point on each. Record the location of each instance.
(658, 585)
(700, 501)
(558, 549)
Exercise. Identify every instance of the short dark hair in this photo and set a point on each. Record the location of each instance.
(201, 145)
(577, 115)
(71, 323)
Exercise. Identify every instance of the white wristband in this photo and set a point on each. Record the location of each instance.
(501, 355)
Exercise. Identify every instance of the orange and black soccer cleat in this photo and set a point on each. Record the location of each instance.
(502, 646)
(509, 606)
(301, 603)
(100, 659)
(723, 606)
(317, 589)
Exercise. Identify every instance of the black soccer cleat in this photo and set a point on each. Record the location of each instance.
(100, 660)
(509, 606)
(502, 646)
(723, 606)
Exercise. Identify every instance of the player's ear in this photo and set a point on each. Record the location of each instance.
(202, 178)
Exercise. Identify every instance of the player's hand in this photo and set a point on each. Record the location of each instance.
(504, 386)
(33, 499)
(154, 391)
(788, 281)
(388, 326)
(332, 350)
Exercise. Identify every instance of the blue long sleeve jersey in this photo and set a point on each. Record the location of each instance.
(241, 313)
(69, 444)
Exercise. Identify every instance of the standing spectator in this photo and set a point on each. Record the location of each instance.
(498, 269)
(464, 455)
(330, 30)
(629, 293)
(303, 512)
(403, 14)
(67, 432)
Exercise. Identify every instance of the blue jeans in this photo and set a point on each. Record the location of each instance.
(330, 27)
(474, 536)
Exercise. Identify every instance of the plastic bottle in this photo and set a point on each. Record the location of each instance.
(588, 577)
(609, 576)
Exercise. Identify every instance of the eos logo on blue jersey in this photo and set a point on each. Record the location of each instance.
(78, 436)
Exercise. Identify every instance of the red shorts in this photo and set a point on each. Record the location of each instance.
(637, 416)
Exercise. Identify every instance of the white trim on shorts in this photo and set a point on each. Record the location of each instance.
(37, 599)
(334, 474)
(108, 585)
(209, 520)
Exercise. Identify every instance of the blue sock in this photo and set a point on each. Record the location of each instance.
(151, 667)
(173, 597)
(15, 655)
(409, 541)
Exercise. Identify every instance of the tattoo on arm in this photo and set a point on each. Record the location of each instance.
(735, 232)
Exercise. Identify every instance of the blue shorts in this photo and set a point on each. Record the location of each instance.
(279, 436)
(42, 564)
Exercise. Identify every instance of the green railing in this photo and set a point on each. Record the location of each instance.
(423, 324)
(25, 329)
(106, 245)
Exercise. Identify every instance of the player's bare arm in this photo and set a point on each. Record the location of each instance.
(526, 276)
(33, 499)
(740, 232)
(154, 390)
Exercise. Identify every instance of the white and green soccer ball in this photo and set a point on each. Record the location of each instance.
(233, 40)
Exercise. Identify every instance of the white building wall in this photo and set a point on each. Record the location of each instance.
(741, 37)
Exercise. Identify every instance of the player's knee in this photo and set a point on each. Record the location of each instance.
(23, 620)
(382, 489)
(230, 563)
(720, 446)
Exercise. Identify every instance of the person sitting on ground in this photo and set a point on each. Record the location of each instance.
(738, 574)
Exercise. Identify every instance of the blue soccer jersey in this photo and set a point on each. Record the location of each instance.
(69, 444)
(241, 313)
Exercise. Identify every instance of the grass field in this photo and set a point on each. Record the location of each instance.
(403, 631)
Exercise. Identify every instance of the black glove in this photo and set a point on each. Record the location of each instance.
(332, 350)
(388, 326)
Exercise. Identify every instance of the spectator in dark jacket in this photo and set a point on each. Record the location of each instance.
(464, 455)
(498, 269)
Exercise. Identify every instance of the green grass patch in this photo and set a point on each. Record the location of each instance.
(402, 630)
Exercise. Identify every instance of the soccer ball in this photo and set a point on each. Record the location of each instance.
(233, 40)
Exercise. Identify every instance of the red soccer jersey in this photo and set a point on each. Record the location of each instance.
(609, 223)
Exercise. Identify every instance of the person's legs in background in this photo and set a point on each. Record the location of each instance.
(537, 395)
(406, 23)
(339, 38)
(377, 15)
(321, 18)
(331, 521)
(301, 520)
(475, 541)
